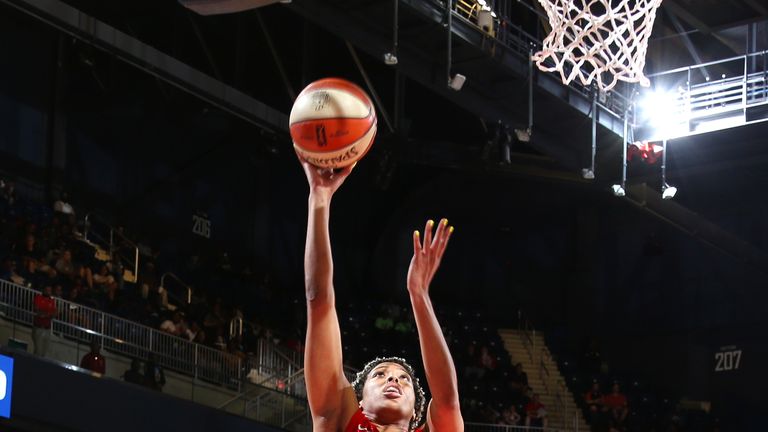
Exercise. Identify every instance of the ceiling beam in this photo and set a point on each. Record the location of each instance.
(88, 29)
(685, 15)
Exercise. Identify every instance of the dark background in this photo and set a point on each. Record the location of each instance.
(585, 265)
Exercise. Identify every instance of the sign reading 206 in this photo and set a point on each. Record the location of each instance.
(728, 359)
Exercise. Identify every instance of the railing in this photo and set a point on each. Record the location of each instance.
(706, 97)
(485, 427)
(541, 357)
(270, 362)
(521, 43)
(529, 335)
(122, 251)
(125, 337)
(185, 295)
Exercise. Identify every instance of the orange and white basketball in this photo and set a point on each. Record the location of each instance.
(332, 123)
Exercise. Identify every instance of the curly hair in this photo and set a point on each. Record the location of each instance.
(421, 399)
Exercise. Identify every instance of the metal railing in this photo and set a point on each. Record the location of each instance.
(182, 294)
(553, 386)
(122, 251)
(707, 97)
(125, 337)
(271, 361)
(528, 333)
(486, 427)
(519, 42)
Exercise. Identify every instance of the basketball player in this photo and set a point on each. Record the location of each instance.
(386, 396)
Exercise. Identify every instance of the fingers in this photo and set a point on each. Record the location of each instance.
(447, 231)
(428, 234)
(440, 232)
(416, 243)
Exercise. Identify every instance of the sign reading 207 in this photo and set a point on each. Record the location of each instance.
(728, 359)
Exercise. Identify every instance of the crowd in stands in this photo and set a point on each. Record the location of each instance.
(614, 400)
(493, 389)
(43, 247)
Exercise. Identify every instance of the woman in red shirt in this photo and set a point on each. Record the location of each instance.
(386, 396)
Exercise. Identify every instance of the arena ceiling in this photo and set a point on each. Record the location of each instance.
(269, 53)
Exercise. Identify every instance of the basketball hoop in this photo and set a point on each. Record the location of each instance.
(601, 40)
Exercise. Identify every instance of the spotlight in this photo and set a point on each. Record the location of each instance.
(668, 192)
(457, 82)
(390, 59)
(618, 190)
(587, 174)
(664, 111)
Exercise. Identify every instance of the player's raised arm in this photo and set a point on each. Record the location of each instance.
(444, 413)
(328, 390)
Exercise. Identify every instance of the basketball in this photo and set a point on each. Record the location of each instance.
(332, 123)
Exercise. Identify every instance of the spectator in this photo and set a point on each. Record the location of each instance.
(8, 192)
(510, 416)
(616, 404)
(487, 360)
(594, 400)
(63, 206)
(45, 311)
(93, 360)
(134, 375)
(8, 272)
(472, 368)
(535, 413)
(174, 326)
(64, 265)
(518, 380)
(154, 377)
(35, 257)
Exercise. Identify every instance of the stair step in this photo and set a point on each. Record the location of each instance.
(518, 349)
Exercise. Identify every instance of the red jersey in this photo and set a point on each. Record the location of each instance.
(45, 306)
(359, 423)
(94, 362)
(533, 408)
(615, 400)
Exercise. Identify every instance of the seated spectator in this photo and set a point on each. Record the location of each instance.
(35, 257)
(174, 325)
(93, 360)
(105, 283)
(594, 400)
(509, 416)
(518, 380)
(8, 192)
(63, 206)
(68, 270)
(616, 404)
(535, 413)
(8, 272)
(154, 377)
(134, 375)
(487, 361)
(472, 363)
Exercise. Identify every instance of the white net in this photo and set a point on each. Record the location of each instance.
(601, 40)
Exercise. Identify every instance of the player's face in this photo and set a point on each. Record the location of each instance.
(388, 391)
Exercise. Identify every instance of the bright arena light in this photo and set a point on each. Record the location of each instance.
(663, 111)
